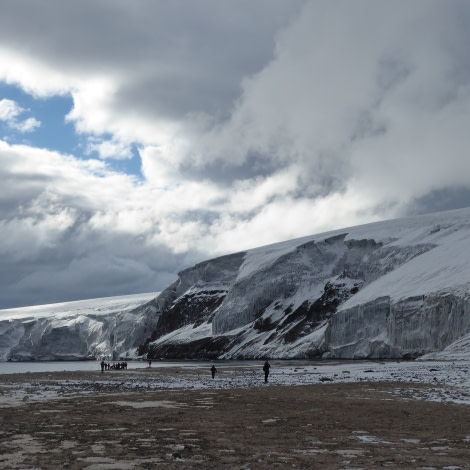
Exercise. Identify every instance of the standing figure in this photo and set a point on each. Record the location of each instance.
(213, 370)
(266, 370)
(102, 366)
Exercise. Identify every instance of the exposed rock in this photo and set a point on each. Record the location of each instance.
(373, 291)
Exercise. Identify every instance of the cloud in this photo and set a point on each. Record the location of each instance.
(254, 122)
(9, 113)
(145, 61)
(9, 110)
(28, 125)
(372, 108)
(113, 148)
(72, 228)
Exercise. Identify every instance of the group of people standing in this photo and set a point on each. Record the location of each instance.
(266, 368)
(114, 366)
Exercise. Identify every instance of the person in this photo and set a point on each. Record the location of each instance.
(213, 370)
(150, 363)
(102, 366)
(266, 370)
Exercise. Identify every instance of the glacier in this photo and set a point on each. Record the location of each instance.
(109, 328)
(392, 289)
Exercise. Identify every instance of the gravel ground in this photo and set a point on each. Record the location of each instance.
(181, 418)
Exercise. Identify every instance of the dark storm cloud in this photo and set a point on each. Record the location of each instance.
(174, 57)
(127, 267)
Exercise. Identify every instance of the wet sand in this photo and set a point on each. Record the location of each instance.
(97, 424)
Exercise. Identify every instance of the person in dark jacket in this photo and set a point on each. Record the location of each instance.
(266, 371)
(213, 370)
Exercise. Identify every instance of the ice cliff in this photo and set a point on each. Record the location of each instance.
(392, 289)
(91, 329)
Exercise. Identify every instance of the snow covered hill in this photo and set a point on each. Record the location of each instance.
(110, 327)
(393, 289)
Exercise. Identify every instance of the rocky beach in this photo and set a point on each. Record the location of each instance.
(344, 416)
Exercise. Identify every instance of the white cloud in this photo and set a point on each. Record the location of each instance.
(10, 111)
(254, 122)
(92, 98)
(35, 77)
(59, 213)
(109, 148)
(374, 105)
(28, 125)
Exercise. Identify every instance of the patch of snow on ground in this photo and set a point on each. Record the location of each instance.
(451, 381)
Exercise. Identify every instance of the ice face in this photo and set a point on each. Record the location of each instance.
(397, 288)
(390, 289)
(77, 330)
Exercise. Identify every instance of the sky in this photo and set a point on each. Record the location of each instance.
(139, 138)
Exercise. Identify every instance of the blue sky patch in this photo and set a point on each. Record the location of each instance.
(51, 130)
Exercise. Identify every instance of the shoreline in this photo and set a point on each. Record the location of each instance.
(445, 381)
(115, 420)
